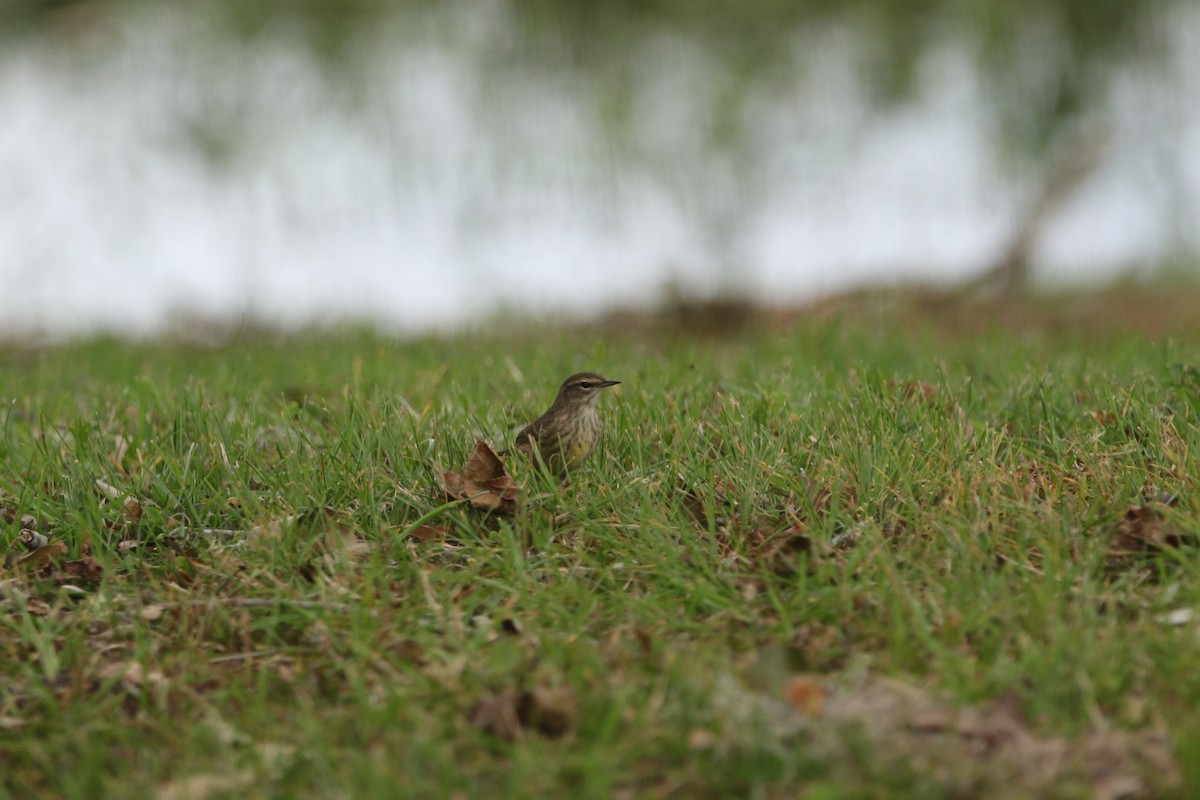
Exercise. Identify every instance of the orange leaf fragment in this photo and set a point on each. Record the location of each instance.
(805, 694)
(424, 533)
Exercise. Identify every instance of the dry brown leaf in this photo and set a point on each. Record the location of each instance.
(424, 533)
(132, 509)
(86, 569)
(43, 556)
(484, 482)
(914, 390)
(805, 694)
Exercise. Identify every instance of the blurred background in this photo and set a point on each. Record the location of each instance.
(424, 165)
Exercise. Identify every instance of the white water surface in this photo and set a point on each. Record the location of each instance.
(152, 173)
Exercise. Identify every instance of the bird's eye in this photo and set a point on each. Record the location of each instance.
(585, 384)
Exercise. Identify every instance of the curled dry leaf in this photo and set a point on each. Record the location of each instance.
(484, 482)
(31, 540)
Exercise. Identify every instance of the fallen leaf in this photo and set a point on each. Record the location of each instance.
(484, 482)
(914, 390)
(805, 694)
(132, 509)
(42, 556)
(424, 533)
(86, 569)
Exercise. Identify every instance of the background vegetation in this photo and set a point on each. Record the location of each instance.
(1048, 63)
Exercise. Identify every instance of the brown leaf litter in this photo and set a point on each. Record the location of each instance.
(484, 482)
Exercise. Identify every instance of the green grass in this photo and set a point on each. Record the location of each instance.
(770, 511)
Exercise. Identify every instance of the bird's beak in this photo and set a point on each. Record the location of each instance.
(606, 384)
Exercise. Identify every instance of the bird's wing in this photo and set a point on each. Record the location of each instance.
(526, 437)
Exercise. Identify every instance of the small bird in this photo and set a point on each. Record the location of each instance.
(565, 435)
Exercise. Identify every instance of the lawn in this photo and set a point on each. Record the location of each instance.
(882, 548)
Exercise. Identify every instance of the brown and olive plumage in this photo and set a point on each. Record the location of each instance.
(569, 430)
